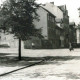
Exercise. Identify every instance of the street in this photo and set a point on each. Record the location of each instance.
(39, 40)
(50, 70)
(62, 67)
(41, 52)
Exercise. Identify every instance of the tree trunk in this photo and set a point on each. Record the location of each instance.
(19, 56)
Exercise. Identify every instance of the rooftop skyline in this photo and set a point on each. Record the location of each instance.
(72, 7)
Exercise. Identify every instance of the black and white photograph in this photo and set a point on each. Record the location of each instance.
(39, 40)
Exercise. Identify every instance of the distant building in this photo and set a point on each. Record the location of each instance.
(8, 40)
(65, 24)
(72, 32)
(78, 33)
(60, 32)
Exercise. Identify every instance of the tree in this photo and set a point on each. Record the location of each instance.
(18, 15)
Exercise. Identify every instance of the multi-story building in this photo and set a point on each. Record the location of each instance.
(65, 24)
(47, 25)
(54, 24)
(51, 27)
(62, 21)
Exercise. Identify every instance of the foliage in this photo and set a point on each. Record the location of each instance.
(17, 17)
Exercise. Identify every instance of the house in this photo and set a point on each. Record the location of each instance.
(51, 29)
(47, 24)
(54, 24)
(60, 32)
(65, 24)
(62, 21)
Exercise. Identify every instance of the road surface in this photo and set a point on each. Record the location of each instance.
(64, 65)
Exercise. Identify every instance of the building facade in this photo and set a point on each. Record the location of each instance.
(60, 32)
(65, 24)
(47, 23)
(61, 13)
(54, 27)
(72, 32)
(78, 33)
(51, 28)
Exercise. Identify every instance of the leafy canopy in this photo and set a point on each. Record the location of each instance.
(18, 15)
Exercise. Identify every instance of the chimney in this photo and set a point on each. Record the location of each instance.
(52, 3)
(43, 4)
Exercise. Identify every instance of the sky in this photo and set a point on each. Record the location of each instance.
(72, 7)
(1, 1)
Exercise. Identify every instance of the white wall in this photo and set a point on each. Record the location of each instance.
(42, 22)
(9, 40)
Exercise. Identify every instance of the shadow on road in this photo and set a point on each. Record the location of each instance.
(13, 60)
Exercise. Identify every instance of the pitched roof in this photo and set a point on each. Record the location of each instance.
(48, 11)
(62, 7)
(53, 9)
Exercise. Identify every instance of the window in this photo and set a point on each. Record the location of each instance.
(48, 16)
(57, 32)
(52, 19)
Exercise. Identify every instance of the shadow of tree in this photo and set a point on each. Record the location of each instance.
(6, 60)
